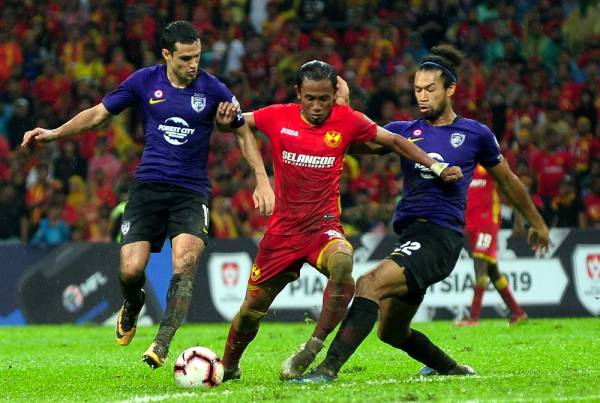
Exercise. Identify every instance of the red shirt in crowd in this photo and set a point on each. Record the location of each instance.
(550, 168)
(592, 209)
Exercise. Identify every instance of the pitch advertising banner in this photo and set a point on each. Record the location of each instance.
(78, 283)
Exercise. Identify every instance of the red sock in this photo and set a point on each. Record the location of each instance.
(237, 341)
(336, 298)
(507, 295)
(510, 301)
(477, 300)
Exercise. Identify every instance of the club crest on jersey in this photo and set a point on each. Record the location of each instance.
(198, 102)
(255, 273)
(333, 139)
(456, 139)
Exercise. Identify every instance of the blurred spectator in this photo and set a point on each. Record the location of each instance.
(10, 55)
(104, 160)
(223, 223)
(567, 206)
(20, 121)
(52, 88)
(69, 162)
(14, 222)
(551, 163)
(592, 205)
(52, 229)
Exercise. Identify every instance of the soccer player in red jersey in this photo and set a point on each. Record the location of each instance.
(308, 141)
(482, 217)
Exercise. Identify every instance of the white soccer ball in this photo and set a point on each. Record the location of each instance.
(198, 367)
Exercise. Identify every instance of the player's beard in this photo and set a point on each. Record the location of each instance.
(434, 114)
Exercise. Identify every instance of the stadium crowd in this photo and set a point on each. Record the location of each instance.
(532, 74)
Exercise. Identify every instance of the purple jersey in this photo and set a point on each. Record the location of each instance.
(463, 143)
(177, 124)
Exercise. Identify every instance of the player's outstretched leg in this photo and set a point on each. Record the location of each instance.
(387, 279)
(245, 325)
(394, 329)
(179, 298)
(336, 297)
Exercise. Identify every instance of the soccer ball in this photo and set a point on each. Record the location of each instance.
(198, 367)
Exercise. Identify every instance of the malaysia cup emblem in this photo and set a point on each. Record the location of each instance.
(230, 273)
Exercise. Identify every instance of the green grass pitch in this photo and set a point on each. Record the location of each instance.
(542, 360)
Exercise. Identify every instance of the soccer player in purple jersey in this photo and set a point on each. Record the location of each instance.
(429, 221)
(179, 105)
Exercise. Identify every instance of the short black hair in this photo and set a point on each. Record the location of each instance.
(445, 58)
(178, 31)
(316, 70)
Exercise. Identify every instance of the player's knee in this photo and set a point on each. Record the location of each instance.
(366, 285)
(132, 268)
(482, 281)
(340, 266)
(185, 262)
(249, 319)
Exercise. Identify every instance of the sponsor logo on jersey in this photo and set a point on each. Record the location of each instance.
(198, 102)
(417, 132)
(309, 161)
(586, 272)
(289, 132)
(415, 140)
(175, 130)
(158, 94)
(333, 234)
(255, 273)
(478, 183)
(456, 139)
(425, 172)
(333, 138)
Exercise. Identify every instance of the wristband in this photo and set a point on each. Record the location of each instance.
(438, 167)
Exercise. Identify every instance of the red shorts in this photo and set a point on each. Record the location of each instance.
(278, 254)
(483, 240)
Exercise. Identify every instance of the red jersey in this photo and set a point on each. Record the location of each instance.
(592, 209)
(483, 203)
(551, 167)
(308, 161)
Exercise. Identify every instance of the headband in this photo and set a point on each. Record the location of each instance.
(440, 67)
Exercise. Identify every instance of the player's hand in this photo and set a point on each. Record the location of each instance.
(342, 95)
(264, 198)
(539, 240)
(451, 174)
(226, 112)
(38, 134)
